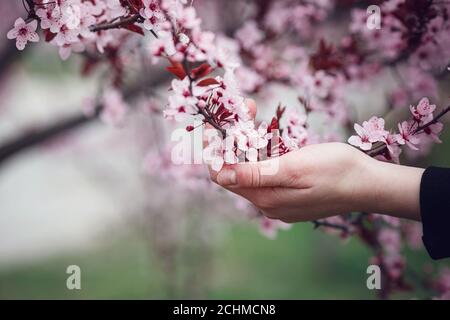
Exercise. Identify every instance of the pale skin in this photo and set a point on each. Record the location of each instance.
(324, 180)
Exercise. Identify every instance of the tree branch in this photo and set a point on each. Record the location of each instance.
(116, 25)
(380, 149)
(323, 223)
(35, 137)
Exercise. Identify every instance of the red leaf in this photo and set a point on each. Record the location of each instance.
(207, 82)
(273, 125)
(326, 57)
(225, 114)
(201, 71)
(134, 5)
(134, 28)
(280, 111)
(176, 69)
(49, 36)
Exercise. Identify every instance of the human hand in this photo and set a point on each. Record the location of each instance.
(323, 180)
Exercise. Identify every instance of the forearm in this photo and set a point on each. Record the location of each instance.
(411, 193)
(393, 189)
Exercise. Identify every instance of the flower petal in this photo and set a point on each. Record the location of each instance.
(12, 34)
(33, 37)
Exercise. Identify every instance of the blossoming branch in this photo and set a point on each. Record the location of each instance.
(284, 42)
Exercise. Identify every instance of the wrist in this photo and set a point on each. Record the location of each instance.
(392, 189)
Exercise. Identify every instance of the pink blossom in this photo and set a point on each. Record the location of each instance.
(203, 46)
(361, 140)
(152, 15)
(277, 18)
(51, 17)
(114, 107)
(371, 131)
(213, 154)
(65, 36)
(163, 46)
(407, 136)
(102, 40)
(290, 143)
(87, 19)
(66, 50)
(249, 139)
(270, 227)
(249, 79)
(420, 84)
(320, 84)
(114, 9)
(181, 102)
(23, 32)
(424, 108)
(424, 111)
(395, 265)
(231, 96)
(188, 18)
(226, 54)
(249, 35)
(71, 14)
(390, 240)
(389, 41)
(391, 141)
(296, 129)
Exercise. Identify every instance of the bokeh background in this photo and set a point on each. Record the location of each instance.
(83, 198)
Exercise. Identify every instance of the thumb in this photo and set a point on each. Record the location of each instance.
(267, 173)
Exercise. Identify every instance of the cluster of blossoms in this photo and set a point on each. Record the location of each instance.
(421, 25)
(79, 25)
(420, 128)
(277, 45)
(414, 33)
(270, 57)
(66, 24)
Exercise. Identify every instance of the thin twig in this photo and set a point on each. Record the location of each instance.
(378, 150)
(435, 120)
(116, 25)
(322, 223)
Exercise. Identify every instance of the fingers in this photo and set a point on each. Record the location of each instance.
(267, 173)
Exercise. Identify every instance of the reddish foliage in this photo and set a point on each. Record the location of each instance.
(134, 28)
(325, 58)
(49, 36)
(207, 82)
(202, 71)
(176, 69)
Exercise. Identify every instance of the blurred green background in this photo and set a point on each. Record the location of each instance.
(299, 264)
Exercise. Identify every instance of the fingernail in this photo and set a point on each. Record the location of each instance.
(227, 177)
